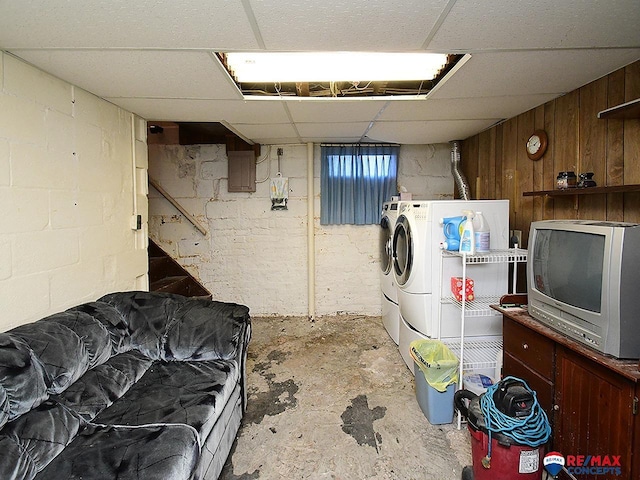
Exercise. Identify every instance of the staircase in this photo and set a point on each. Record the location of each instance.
(166, 275)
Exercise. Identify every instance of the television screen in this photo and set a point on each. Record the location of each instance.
(568, 267)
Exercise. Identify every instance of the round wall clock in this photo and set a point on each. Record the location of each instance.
(537, 144)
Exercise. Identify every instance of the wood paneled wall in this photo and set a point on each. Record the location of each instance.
(496, 164)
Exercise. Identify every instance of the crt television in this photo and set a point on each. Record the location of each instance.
(583, 280)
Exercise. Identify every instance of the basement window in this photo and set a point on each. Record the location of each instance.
(355, 180)
(336, 74)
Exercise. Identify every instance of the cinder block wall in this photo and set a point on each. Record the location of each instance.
(68, 163)
(258, 257)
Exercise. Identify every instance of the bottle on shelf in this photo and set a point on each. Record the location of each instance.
(482, 233)
(467, 239)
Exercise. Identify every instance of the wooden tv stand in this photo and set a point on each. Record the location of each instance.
(591, 399)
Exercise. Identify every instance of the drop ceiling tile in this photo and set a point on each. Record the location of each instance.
(273, 130)
(531, 72)
(357, 25)
(186, 110)
(278, 141)
(462, 108)
(334, 110)
(339, 130)
(138, 73)
(427, 132)
(123, 23)
(476, 25)
(331, 139)
(253, 111)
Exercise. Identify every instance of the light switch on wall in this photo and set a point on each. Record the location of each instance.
(136, 222)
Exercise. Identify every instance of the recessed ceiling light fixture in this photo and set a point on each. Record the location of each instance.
(336, 74)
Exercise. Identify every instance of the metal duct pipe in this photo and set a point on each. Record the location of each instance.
(458, 176)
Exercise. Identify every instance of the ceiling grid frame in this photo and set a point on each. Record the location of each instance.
(160, 67)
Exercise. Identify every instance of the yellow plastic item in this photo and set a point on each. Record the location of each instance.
(436, 361)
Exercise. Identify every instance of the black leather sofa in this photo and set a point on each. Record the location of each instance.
(136, 385)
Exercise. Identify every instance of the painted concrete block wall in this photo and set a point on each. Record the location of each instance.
(258, 257)
(68, 192)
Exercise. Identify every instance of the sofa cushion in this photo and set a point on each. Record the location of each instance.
(101, 386)
(151, 452)
(192, 393)
(146, 315)
(32, 440)
(22, 378)
(206, 330)
(60, 350)
(112, 320)
(92, 333)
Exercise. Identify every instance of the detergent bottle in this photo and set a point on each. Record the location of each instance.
(467, 240)
(482, 233)
(452, 229)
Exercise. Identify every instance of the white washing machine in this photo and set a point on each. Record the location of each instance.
(413, 262)
(390, 311)
(419, 274)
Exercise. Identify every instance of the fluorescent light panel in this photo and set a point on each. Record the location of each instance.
(333, 66)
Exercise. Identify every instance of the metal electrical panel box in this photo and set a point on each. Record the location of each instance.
(242, 171)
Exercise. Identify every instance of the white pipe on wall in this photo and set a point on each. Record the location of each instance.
(311, 249)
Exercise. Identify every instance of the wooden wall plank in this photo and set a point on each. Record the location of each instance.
(499, 161)
(524, 171)
(538, 168)
(549, 166)
(484, 166)
(509, 155)
(473, 167)
(565, 138)
(592, 145)
(491, 170)
(615, 147)
(632, 145)
(469, 164)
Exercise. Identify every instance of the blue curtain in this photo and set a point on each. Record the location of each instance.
(355, 181)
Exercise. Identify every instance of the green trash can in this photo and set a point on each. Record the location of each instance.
(436, 377)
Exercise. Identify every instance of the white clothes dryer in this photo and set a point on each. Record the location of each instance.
(412, 263)
(390, 311)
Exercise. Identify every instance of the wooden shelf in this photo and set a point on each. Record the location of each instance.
(626, 110)
(584, 191)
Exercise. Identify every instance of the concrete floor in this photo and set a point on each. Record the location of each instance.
(333, 399)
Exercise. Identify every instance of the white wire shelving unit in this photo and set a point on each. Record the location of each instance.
(479, 354)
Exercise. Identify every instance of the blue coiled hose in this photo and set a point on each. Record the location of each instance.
(532, 430)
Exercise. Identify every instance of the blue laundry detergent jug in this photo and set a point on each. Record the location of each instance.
(452, 228)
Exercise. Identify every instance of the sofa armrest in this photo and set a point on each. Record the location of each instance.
(243, 365)
(207, 330)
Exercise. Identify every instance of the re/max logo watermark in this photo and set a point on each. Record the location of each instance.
(593, 464)
(583, 464)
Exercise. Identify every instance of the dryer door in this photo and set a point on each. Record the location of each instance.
(402, 250)
(386, 238)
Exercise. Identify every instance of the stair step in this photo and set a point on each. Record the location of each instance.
(180, 284)
(160, 267)
(168, 276)
(164, 281)
(173, 284)
(155, 251)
